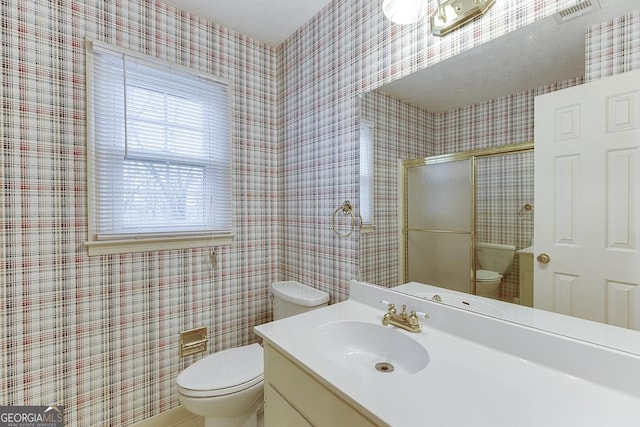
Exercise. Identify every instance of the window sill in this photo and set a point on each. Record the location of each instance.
(111, 247)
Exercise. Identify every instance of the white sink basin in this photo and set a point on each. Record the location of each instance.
(468, 303)
(366, 346)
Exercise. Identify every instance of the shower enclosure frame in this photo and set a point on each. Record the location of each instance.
(471, 156)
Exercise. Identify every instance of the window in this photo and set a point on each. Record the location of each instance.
(366, 173)
(159, 155)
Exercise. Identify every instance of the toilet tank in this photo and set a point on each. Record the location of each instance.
(495, 257)
(291, 298)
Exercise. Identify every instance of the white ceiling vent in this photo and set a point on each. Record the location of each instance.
(577, 10)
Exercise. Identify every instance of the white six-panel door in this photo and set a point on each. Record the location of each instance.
(587, 195)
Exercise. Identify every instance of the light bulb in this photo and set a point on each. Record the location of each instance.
(404, 11)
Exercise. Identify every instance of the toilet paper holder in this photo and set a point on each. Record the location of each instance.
(193, 341)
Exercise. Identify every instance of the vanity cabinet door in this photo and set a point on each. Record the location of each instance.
(306, 397)
(278, 412)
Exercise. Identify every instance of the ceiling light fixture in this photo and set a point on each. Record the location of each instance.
(404, 11)
(450, 14)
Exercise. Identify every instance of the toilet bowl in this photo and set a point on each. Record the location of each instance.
(488, 283)
(228, 384)
(226, 388)
(494, 260)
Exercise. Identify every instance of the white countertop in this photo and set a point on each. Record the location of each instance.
(465, 382)
(598, 333)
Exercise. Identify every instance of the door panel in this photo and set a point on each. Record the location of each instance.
(439, 224)
(587, 185)
(441, 196)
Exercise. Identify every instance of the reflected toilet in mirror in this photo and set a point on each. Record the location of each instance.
(494, 260)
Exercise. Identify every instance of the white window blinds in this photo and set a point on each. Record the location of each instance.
(366, 172)
(159, 149)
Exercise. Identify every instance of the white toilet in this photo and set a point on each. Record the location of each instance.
(495, 260)
(226, 388)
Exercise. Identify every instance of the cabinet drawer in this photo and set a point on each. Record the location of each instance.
(278, 412)
(312, 399)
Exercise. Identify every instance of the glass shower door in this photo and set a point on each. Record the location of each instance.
(438, 231)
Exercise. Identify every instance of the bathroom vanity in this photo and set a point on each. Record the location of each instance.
(339, 366)
(296, 397)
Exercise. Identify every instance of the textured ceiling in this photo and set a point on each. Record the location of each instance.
(270, 21)
(538, 54)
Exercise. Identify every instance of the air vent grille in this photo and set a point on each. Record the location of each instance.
(578, 10)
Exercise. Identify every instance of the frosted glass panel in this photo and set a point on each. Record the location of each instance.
(440, 196)
(440, 259)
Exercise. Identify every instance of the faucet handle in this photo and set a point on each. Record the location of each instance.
(404, 310)
(420, 314)
(413, 319)
(391, 309)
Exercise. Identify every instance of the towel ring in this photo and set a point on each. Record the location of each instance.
(347, 209)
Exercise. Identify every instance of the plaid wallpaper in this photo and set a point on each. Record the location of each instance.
(613, 47)
(504, 185)
(343, 52)
(401, 132)
(99, 335)
(404, 132)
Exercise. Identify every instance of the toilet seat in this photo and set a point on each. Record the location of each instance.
(487, 276)
(226, 372)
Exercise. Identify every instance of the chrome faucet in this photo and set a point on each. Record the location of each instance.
(407, 321)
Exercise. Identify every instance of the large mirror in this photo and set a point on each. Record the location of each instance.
(476, 100)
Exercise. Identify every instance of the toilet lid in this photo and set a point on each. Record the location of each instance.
(225, 372)
(486, 275)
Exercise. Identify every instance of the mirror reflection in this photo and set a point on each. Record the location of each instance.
(466, 215)
(435, 113)
(504, 226)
